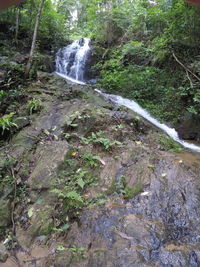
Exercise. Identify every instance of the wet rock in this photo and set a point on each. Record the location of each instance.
(98, 259)
(189, 128)
(135, 227)
(157, 227)
(22, 122)
(5, 213)
(61, 259)
(41, 222)
(24, 141)
(44, 63)
(40, 225)
(48, 158)
(173, 259)
(3, 253)
(21, 58)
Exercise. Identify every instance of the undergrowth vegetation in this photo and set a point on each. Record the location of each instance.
(154, 59)
(34, 105)
(75, 175)
(98, 138)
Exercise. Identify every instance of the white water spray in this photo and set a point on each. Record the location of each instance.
(71, 65)
(71, 60)
(142, 112)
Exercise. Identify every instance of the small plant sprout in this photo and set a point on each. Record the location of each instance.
(98, 138)
(91, 159)
(34, 105)
(7, 122)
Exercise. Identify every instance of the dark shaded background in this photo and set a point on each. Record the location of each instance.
(7, 3)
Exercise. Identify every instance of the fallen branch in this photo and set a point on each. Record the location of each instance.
(123, 235)
(191, 84)
(13, 203)
(187, 70)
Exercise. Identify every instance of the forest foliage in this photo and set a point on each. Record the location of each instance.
(145, 50)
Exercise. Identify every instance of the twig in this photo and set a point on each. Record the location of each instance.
(12, 215)
(188, 70)
(123, 235)
(13, 203)
(191, 84)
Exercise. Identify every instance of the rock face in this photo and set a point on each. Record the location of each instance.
(139, 203)
(189, 128)
(5, 213)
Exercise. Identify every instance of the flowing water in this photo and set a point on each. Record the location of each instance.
(71, 61)
(71, 64)
(118, 100)
(158, 227)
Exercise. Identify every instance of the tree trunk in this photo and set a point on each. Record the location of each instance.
(17, 24)
(37, 21)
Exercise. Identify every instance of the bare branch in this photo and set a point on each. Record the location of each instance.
(187, 70)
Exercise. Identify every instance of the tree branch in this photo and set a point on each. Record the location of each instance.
(187, 70)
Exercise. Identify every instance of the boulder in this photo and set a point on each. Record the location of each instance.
(189, 128)
(3, 253)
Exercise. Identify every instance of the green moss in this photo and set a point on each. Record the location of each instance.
(5, 213)
(112, 187)
(42, 223)
(73, 177)
(130, 192)
(168, 144)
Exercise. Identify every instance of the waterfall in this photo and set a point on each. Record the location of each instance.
(71, 64)
(71, 61)
(120, 101)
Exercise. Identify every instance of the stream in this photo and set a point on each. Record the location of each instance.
(71, 64)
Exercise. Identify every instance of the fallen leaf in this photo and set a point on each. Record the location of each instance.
(55, 137)
(144, 193)
(30, 212)
(138, 142)
(81, 183)
(102, 161)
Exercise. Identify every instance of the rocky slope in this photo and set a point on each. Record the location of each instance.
(95, 185)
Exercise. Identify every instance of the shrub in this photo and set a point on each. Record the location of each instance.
(34, 105)
(7, 123)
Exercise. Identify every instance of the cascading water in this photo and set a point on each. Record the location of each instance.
(118, 100)
(71, 60)
(71, 64)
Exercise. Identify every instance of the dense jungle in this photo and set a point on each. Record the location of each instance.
(100, 133)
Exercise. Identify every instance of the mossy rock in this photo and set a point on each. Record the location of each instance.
(44, 63)
(63, 258)
(3, 253)
(42, 222)
(168, 144)
(130, 192)
(5, 213)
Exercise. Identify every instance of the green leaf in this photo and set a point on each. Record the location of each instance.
(74, 195)
(65, 227)
(46, 132)
(60, 248)
(81, 183)
(74, 125)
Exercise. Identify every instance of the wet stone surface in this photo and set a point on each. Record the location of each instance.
(157, 226)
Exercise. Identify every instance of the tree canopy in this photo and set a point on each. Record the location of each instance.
(144, 49)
